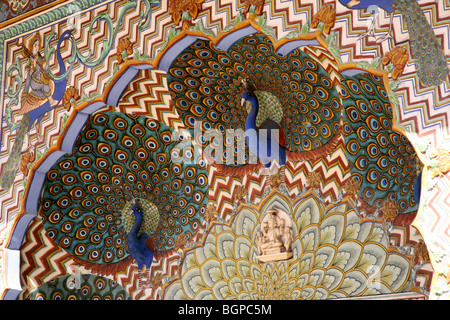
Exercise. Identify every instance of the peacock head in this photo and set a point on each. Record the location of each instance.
(249, 87)
(136, 207)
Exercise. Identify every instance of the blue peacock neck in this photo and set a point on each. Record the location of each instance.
(250, 122)
(137, 223)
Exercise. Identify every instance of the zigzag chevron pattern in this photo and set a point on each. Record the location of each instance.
(327, 61)
(218, 14)
(148, 95)
(333, 170)
(42, 259)
(139, 283)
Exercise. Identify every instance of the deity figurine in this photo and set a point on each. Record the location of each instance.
(288, 239)
(274, 241)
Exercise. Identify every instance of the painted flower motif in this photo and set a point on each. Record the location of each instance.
(25, 160)
(275, 180)
(69, 97)
(313, 180)
(352, 186)
(157, 280)
(335, 256)
(259, 4)
(178, 7)
(211, 211)
(442, 156)
(389, 210)
(240, 193)
(421, 252)
(180, 242)
(124, 49)
(399, 57)
(326, 15)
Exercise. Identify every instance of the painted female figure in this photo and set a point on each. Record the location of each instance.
(39, 87)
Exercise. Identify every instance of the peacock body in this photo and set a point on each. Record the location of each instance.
(265, 140)
(136, 240)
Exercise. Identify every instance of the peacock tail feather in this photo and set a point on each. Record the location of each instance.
(295, 91)
(431, 64)
(116, 159)
(12, 165)
(383, 160)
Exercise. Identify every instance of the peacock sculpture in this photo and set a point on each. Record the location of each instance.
(431, 64)
(267, 140)
(292, 92)
(88, 195)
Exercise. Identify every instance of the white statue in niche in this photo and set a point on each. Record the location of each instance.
(274, 240)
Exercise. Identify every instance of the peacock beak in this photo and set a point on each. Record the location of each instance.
(243, 102)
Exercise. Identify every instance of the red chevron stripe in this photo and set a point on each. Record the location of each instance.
(34, 244)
